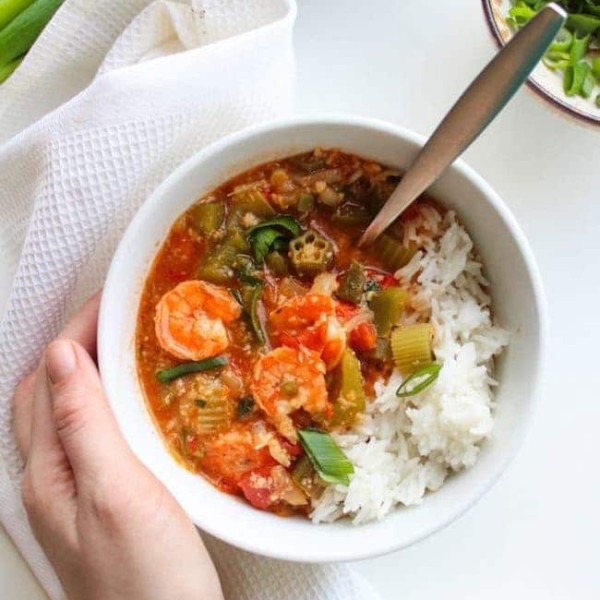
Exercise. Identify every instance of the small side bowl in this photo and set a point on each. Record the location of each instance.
(519, 306)
(543, 81)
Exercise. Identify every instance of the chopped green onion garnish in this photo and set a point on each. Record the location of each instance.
(329, 461)
(419, 380)
(191, 367)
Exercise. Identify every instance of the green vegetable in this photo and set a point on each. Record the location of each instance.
(217, 265)
(596, 67)
(253, 314)
(245, 406)
(236, 239)
(306, 478)
(208, 217)
(579, 47)
(248, 200)
(349, 392)
(269, 234)
(289, 388)
(352, 284)
(598, 100)
(9, 9)
(246, 270)
(20, 34)
(382, 351)
(392, 253)
(411, 346)
(207, 364)
(387, 307)
(7, 70)
(420, 379)
(306, 202)
(575, 79)
(562, 42)
(557, 60)
(329, 461)
(583, 24)
(200, 403)
(349, 215)
(277, 263)
(310, 253)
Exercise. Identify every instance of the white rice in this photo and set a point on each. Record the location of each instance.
(403, 448)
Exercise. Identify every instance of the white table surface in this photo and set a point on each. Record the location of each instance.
(535, 535)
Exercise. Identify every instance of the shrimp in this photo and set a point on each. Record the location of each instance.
(190, 320)
(287, 379)
(310, 320)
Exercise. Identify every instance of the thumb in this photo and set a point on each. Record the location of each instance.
(84, 422)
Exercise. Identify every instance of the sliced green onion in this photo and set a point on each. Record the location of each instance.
(562, 42)
(579, 47)
(198, 366)
(420, 380)
(253, 312)
(598, 100)
(588, 85)
(574, 78)
(596, 67)
(557, 60)
(329, 461)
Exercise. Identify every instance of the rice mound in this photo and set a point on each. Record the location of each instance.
(402, 448)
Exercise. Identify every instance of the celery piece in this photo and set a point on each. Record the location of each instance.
(411, 346)
(349, 393)
(352, 284)
(387, 307)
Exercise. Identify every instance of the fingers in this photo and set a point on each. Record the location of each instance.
(82, 327)
(22, 413)
(84, 422)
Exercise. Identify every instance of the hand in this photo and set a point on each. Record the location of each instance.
(110, 529)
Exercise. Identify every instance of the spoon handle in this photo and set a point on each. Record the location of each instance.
(472, 113)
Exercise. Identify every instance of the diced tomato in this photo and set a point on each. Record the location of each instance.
(258, 487)
(345, 310)
(313, 338)
(363, 337)
(293, 450)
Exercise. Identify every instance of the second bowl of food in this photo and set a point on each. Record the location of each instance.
(303, 398)
(568, 77)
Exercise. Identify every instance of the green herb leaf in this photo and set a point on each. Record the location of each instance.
(207, 364)
(329, 461)
(284, 222)
(272, 234)
(262, 241)
(418, 381)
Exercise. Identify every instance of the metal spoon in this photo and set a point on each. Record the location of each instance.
(471, 114)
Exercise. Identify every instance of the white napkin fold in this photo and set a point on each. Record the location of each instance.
(169, 81)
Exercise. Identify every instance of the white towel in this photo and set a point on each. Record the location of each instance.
(111, 98)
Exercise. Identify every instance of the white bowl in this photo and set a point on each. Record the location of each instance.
(518, 306)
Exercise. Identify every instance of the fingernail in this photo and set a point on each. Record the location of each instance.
(60, 360)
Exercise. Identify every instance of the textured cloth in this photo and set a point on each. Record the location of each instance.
(111, 98)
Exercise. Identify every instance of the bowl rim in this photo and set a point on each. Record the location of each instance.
(111, 288)
(540, 91)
